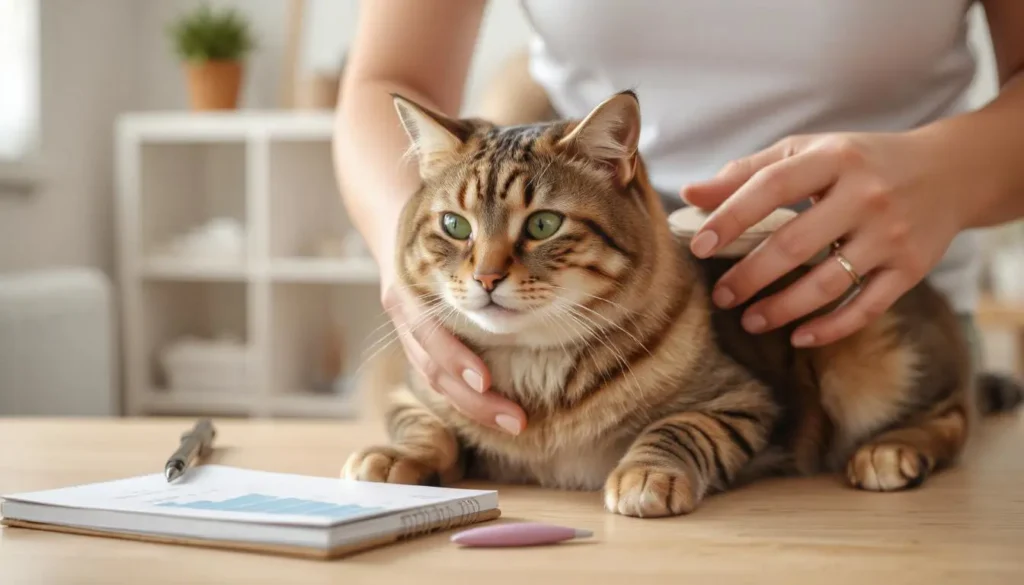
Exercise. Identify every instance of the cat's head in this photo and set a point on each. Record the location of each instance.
(515, 227)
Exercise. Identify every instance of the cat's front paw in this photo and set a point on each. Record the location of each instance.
(887, 467)
(387, 464)
(648, 492)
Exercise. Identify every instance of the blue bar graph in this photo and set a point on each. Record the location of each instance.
(265, 504)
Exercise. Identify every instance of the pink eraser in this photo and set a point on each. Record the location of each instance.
(517, 534)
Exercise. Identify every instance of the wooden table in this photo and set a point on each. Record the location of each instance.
(964, 526)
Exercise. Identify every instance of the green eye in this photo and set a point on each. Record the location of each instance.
(543, 224)
(456, 226)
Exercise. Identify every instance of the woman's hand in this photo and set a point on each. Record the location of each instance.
(894, 202)
(449, 366)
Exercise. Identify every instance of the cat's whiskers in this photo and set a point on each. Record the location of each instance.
(416, 294)
(561, 320)
(426, 299)
(596, 331)
(578, 331)
(441, 321)
(618, 351)
(624, 308)
(627, 312)
(612, 323)
(612, 350)
(396, 333)
(587, 350)
(432, 308)
(548, 319)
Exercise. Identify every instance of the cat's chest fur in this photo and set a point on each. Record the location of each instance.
(532, 377)
(550, 455)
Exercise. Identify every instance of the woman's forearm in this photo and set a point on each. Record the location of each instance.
(368, 155)
(987, 148)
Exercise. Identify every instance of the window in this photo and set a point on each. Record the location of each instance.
(19, 99)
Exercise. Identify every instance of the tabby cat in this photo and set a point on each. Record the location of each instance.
(551, 257)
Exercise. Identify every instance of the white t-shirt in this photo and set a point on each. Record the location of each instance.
(720, 79)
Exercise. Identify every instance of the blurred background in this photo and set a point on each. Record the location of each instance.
(171, 236)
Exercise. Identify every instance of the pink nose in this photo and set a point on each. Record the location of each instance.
(490, 280)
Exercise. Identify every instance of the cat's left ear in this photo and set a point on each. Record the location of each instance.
(610, 135)
(437, 140)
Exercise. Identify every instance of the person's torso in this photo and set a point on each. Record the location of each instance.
(721, 79)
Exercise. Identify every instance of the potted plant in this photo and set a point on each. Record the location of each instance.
(213, 47)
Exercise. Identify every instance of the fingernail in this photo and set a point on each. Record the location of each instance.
(704, 243)
(754, 322)
(473, 379)
(723, 297)
(509, 423)
(803, 339)
(683, 192)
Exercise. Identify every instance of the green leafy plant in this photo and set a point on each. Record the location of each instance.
(206, 35)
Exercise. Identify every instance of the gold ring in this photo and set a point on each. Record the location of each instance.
(847, 267)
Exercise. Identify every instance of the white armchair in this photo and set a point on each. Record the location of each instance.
(57, 344)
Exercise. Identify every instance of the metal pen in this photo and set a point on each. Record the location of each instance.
(194, 444)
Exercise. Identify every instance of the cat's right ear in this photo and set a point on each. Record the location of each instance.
(437, 140)
(610, 135)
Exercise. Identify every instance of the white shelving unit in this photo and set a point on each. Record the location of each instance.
(303, 316)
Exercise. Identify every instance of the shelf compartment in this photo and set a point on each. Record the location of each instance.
(202, 310)
(319, 334)
(307, 217)
(185, 186)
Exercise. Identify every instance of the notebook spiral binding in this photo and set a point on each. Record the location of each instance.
(438, 518)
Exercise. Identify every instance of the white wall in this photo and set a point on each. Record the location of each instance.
(88, 66)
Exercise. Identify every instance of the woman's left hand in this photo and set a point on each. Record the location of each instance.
(894, 202)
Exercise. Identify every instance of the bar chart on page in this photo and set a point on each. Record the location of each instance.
(267, 504)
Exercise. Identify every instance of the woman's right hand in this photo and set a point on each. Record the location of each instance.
(449, 367)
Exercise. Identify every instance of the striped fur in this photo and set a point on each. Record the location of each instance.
(632, 381)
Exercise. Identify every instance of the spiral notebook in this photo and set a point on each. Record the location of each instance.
(228, 507)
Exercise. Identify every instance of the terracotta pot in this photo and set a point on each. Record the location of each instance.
(317, 92)
(214, 85)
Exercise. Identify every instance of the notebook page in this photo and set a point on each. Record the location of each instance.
(227, 493)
